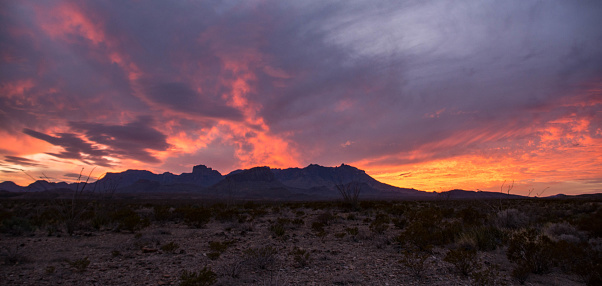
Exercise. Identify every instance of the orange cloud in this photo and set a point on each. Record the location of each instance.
(67, 20)
(566, 149)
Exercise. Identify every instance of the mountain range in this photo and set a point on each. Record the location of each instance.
(313, 182)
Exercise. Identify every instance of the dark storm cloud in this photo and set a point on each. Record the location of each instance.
(74, 147)
(134, 140)
(487, 66)
(387, 77)
(21, 161)
(180, 97)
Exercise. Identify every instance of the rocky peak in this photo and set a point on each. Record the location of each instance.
(264, 174)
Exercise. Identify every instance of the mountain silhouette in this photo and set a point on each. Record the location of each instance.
(313, 182)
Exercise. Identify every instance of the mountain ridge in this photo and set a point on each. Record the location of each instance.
(313, 182)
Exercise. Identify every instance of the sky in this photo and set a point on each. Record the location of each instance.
(432, 95)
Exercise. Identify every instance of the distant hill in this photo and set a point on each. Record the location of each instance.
(313, 182)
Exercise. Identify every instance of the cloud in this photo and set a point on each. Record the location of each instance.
(134, 140)
(180, 98)
(73, 147)
(21, 161)
(248, 83)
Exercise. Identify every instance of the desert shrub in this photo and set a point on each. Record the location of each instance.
(466, 240)
(380, 224)
(196, 217)
(325, 218)
(530, 252)
(563, 231)
(512, 219)
(484, 238)
(12, 255)
(162, 213)
(470, 216)
(301, 257)
(577, 258)
(396, 210)
(16, 226)
(213, 255)
(262, 257)
(592, 223)
(464, 260)
(487, 276)
(232, 269)
(49, 269)
(170, 247)
(415, 261)
(5, 214)
(48, 216)
(204, 277)
(145, 242)
(219, 246)
(350, 193)
(425, 236)
(399, 222)
(258, 212)
(588, 266)
(100, 219)
(228, 215)
(79, 265)
(317, 226)
(277, 229)
(353, 231)
(127, 219)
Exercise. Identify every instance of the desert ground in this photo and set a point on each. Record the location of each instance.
(168, 242)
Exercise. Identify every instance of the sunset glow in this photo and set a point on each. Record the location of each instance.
(428, 95)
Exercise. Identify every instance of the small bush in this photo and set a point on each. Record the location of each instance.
(470, 216)
(214, 255)
(353, 231)
(219, 246)
(399, 223)
(170, 247)
(489, 275)
(162, 213)
(301, 257)
(563, 231)
(195, 217)
(416, 261)
(278, 229)
(79, 265)
(464, 260)
(380, 224)
(129, 220)
(530, 252)
(232, 269)
(317, 226)
(204, 277)
(13, 255)
(325, 218)
(16, 226)
(228, 215)
(512, 219)
(426, 236)
(484, 238)
(262, 257)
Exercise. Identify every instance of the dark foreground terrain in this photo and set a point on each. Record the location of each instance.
(169, 242)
